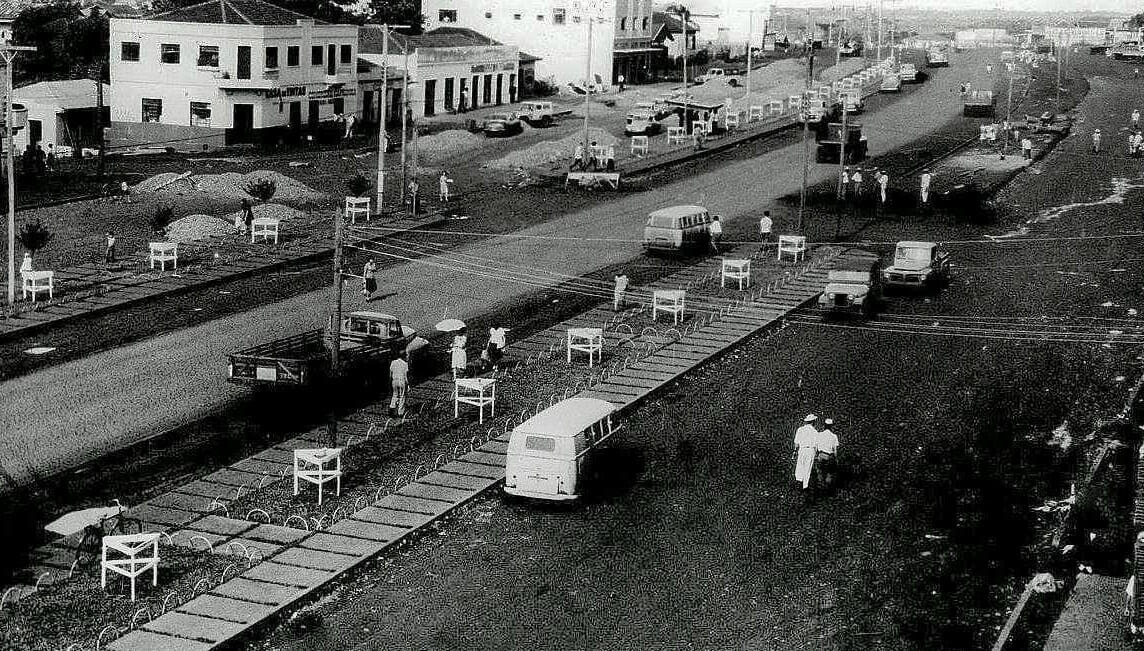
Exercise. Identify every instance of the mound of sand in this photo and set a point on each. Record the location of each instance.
(198, 227)
(440, 146)
(543, 153)
(229, 185)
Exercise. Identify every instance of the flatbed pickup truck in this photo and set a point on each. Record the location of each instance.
(303, 360)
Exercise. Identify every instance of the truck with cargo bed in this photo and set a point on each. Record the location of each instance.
(829, 147)
(304, 359)
(854, 290)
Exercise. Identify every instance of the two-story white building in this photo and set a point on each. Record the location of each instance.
(227, 71)
(557, 31)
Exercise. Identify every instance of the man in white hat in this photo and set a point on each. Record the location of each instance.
(826, 446)
(804, 450)
(1096, 141)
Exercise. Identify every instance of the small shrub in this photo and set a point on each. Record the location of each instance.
(161, 218)
(358, 185)
(34, 236)
(262, 189)
(544, 88)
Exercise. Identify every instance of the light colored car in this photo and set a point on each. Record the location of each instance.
(641, 121)
(677, 228)
(917, 265)
(501, 124)
(908, 73)
(891, 83)
(712, 74)
(537, 113)
(855, 291)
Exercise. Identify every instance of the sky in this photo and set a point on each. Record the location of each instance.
(1118, 6)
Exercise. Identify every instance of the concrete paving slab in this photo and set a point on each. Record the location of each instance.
(258, 592)
(183, 538)
(140, 640)
(485, 458)
(234, 478)
(439, 493)
(241, 612)
(290, 575)
(273, 533)
(267, 549)
(462, 468)
(224, 526)
(186, 625)
(412, 504)
(463, 482)
(342, 544)
(176, 500)
(315, 559)
(391, 517)
(207, 489)
(164, 517)
(368, 530)
(262, 466)
(496, 446)
(1092, 618)
(276, 455)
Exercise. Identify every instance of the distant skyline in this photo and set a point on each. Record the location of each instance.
(1127, 7)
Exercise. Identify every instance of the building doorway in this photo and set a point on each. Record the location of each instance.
(242, 129)
(488, 89)
(476, 80)
(367, 106)
(430, 96)
(449, 94)
(500, 89)
(35, 131)
(314, 114)
(296, 116)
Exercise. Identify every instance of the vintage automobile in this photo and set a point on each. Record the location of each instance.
(501, 124)
(917, 265)
(856, 290)
(891, 83)
(641, 121)
(908, 73)
(537, 114)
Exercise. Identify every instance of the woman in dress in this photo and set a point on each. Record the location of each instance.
(369, 279)
(458, 359)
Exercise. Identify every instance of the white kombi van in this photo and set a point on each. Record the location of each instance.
(549, 453)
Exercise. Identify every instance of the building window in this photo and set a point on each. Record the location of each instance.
(447, 15)
(516, 16)
(200, 114)
(645, 23)
(624, 24)
(271, 57)
(576, 19)
(208, 56)
(488, 14)
(169, 53)
(347, 54)
(558, 15)
(316, 55)
(152, 109)
(540, 16)
(292, 56)
(129, 51)
(339, 106)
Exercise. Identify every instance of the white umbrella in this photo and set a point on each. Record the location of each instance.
(73, 522)
(450, 325)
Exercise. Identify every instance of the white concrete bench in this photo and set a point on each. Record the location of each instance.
(586, 340)
(310, 466)
(265, 228)
(676, 135)
(357, 207)
(639, 145)
(671, 301)
(34, 282)
(792, 245)
(472, 391)
(736, 269)
(755, 113)
(130, 556)
(162, 253)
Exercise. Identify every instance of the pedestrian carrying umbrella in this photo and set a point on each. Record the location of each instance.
(450, 325)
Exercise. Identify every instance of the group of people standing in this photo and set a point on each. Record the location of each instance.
(491, 354)
(815, 453)
(853, 184)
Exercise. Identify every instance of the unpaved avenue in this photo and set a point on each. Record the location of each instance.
(71, 413)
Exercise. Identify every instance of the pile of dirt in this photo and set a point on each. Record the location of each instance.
(229, 186)
(550, 151)
(272, 210)
(161, 182)
(446, 143)
(198, 227)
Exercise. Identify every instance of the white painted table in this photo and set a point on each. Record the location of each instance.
(671, 301)
(478, 392)
(639, 145)
(265, 228)
(736, 269)
(34, 282)
(676, 135)
(164, 252)
(130, 556)
(310, 466)
(357, 207)
(792, 245)
(586, 340)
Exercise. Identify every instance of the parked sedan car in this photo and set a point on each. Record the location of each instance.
(501, 124)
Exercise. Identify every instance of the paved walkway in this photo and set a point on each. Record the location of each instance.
(298, 563)
(1093, 618)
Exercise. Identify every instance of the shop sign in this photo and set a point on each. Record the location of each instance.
(286, 91)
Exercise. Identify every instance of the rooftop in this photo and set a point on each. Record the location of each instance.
(64, 95)
(234, 12)
(371, 39)
(671, 23)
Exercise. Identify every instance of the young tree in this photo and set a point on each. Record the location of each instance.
(161, 218)
(262, 189)
(358, 185)
(34, 236)
(68, 43)
(397, 12)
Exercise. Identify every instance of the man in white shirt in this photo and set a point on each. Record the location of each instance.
(805, 438)
(399, 383)
(618, 291)
(845, 182)
(826, 447)
(765, 226)
(927, 178)
(856, 179)
(883, 183)
(1135, 118)
(716, 232)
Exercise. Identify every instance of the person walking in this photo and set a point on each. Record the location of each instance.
(805, 438)
(620, 81)
(578, 157)
(926, 180)
(716, 232)
(1135, 118)
(618, 291)
(766, 224)
(413, 188)
(109, 251)
(369, 279)
(1096, 141)
(697, 136)
(1027, 148)
(458, 358)
(988, 68)
(398, 384)
(51, 158)
(497, 344)
(826, 456)
(845, 182)
(856, 180)
(443, 186)
(883, 185)
(247, 215)
(1138, 142)
(351, 124)
(26, 265)
(1131, 145)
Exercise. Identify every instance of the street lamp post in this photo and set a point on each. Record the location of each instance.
(382, 116)
(9, 52)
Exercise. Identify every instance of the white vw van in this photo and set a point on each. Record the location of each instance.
(549, 453)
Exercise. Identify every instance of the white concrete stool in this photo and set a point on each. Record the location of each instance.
(733, 118)
(586, 340)
(670, 301)
(755, 113)
(310, 465)
(676, 135)
(264, 227)
(357, 207)
(164, 252)
(793, 245)
(134, 555)
(794, 103)
(639, 145)
(471, 391)
(736, 269)
(34, 282)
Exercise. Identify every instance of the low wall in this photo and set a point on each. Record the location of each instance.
(127, 135)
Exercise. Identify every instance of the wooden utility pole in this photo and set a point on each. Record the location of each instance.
(404, 114)
(334, 332)
(381, 133)
(99, 124)
(806, 130)
(842, 154)
(9, 52)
